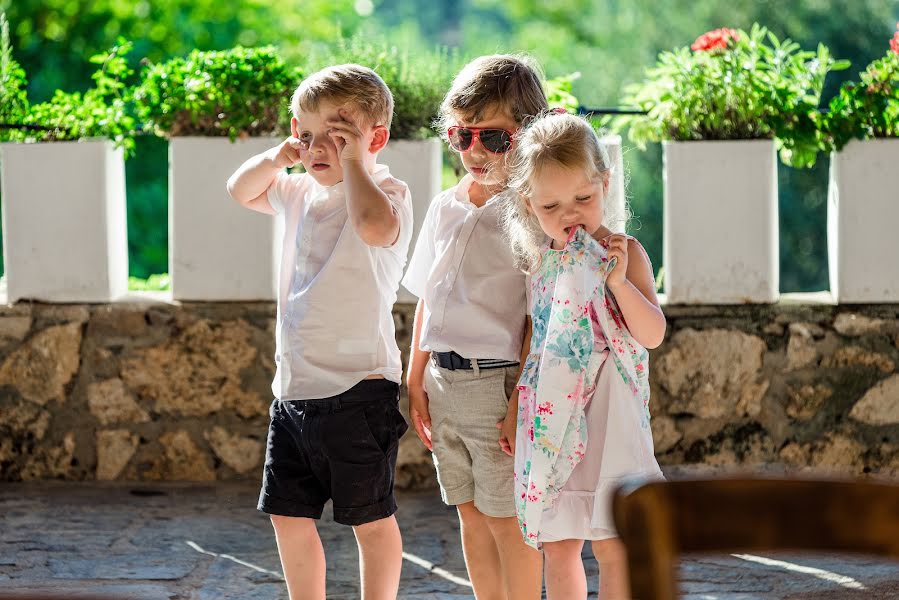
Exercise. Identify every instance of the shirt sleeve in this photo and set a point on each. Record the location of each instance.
(401, 200)
(284, 190)
(423, 257)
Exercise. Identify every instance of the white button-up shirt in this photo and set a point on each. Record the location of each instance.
(464, 270)
(335, 325)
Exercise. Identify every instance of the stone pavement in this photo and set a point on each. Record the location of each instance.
(207, 542)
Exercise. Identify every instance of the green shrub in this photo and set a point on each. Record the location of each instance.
(235, 93)
(160, 282)
(100, 112)
(13, 100)
(868, 108)
(559, 92)
(418, 81)
(732, 85)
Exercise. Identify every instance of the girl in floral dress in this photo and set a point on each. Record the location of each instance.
(583, 420)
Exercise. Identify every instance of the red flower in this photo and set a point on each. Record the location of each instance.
(894, 43)
(718, 38)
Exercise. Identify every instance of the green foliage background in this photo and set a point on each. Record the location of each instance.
(609, 42)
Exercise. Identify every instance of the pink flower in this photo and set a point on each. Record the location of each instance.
(715, 40)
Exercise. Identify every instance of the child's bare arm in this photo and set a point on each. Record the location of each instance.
(370, 212)
(509, 425)
(635, 291)
(418, 398)
(249, 184)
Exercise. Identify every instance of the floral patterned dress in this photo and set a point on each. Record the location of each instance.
(583, 416)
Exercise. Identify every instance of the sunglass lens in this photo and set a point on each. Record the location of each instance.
(496, 140)
(460, 138)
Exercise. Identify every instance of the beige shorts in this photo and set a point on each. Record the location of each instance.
(465, 406)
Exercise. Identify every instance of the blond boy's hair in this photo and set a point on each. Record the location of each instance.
(355, 85)
(506, 82)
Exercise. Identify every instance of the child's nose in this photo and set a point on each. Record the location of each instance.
(477, 149)
(319, 143)
(570, 212)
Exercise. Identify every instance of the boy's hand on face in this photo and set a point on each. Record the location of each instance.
(420, 415)
(617, 246)
(288, 153)
(348, 138)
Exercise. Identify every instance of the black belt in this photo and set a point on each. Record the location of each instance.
(452, 361)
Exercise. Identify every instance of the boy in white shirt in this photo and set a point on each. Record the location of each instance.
(335, 424)
(470, 327)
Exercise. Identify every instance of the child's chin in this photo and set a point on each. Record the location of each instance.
(486, 179)
(326, 178)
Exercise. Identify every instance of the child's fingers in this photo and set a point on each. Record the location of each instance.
(425, 416)
(336, 134)
(504, 443)
(421, 431)
(293, 154)
(346, 117)
(344, 126)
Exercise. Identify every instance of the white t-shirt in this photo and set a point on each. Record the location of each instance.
(335, 325)
(464, 269)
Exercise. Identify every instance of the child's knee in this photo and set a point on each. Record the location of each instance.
(380, 527)
(285, 525)
(609, 551)
(468, 513)
(562, 550)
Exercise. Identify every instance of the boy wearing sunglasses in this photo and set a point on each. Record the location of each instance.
(335, 423)
(470, 324)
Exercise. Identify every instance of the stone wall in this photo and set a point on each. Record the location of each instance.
(159, 391)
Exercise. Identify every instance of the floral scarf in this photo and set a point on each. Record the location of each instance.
(560, 373)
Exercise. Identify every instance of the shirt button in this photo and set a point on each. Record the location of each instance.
(435, 329)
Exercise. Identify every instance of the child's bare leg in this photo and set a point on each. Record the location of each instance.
(481, 555)
(612, 559)
(380, 558)
(522, 565)
(565, 577)
(302, 557)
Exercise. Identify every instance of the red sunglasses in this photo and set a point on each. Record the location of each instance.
(495, 141)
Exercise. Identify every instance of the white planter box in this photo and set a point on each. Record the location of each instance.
(420, 164)
(218, 250)
(720, 222)
(862, 216)
(64, 221)
(615, 205)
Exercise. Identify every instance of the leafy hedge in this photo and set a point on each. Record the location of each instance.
(235, 93)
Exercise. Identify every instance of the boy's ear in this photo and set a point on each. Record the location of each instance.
(379, 139)
(294, 130)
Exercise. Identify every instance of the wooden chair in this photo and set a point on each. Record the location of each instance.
(662, 520)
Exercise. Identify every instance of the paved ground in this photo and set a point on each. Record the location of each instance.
(207, 542)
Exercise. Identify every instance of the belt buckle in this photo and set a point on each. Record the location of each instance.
(436, 358)
(456, 361)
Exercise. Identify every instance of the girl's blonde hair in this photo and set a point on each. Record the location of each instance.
(558, 139)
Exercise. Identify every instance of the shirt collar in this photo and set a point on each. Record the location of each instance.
(462, 196)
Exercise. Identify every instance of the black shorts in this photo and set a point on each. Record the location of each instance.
(341, 448)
